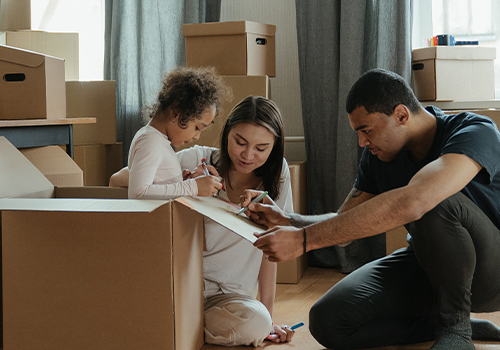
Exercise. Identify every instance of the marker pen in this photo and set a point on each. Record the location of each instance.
(298, 325)
(276, 336)
(255, 200)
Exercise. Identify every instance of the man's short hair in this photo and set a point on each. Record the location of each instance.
(380, 91)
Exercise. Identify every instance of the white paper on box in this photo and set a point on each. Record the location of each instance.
(224, 213)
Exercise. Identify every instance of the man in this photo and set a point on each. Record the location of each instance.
(440, 177)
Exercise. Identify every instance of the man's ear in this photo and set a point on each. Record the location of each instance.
(401, 113)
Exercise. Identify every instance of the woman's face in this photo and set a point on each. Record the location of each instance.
(249, 146)
(179, 136)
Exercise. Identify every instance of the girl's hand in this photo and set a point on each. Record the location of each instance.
(208, 185)
(281, 334)
(198, 171)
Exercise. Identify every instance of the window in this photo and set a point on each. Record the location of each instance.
(467, 20)
(83, 16)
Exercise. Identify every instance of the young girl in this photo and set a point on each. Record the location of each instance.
(251, 157)
(187, 103)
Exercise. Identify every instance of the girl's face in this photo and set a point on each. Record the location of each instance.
(179, 136)
(249, 146)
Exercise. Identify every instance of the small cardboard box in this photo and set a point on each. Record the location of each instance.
(55, 164)
(291, 271)
(96, 273)
(92, 99)
(242, 86)
(98, 162)
(31, 85)
(62, 45)
(234, 48)
(15, 14)
(444, 73)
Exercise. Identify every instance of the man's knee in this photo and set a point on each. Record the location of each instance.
(334, 321)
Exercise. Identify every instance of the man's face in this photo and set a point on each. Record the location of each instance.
(381, 134)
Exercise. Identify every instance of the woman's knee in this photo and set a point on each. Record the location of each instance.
(238, 323)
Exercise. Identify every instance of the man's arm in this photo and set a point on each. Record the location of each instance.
(434, 183)
(354, 198)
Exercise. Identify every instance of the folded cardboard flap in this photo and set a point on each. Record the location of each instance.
(454, 53)
(20, 178)
(228, 28)
(55, 164)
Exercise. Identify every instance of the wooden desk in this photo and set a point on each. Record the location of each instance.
(24, 133)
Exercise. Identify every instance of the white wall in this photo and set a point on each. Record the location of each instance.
(285, 87)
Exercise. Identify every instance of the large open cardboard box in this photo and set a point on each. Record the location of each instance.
(31, 85)
(82, 273)
(445, 73)
(234, 48)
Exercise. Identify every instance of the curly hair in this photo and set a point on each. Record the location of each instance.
(189, 92)
(264, 112)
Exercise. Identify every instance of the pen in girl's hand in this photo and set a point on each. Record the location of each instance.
(255, 200)
(295, 326)
(206, 172)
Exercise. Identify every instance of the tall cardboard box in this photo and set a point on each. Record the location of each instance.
(442, 73)
(98, 162)
(96, 273)
(242, 86)
(61, 45)
(291, 271)
(92, 99)
(32, 85)
(234, 48)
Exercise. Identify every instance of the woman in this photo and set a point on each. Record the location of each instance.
(251, 157)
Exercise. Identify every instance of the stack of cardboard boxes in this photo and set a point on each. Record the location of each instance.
(41, 81)
(243, 52)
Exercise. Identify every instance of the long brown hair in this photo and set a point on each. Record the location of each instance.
(264, 112)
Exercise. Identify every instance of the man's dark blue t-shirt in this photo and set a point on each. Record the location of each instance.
(466, 133)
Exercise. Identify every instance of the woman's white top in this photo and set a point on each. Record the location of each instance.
(155, 170)
(231, 264)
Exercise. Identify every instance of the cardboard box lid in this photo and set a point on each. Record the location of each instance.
(20, 178)
(23, 57)
(454, 53)
(228, 28)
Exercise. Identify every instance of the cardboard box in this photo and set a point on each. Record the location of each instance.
(55, 164)
(93, 273)
(92, 99)
(291, 271)
(242, 86)
(83, 273)
(98, 162)
(234, 48)
(62, 45)
(442, 73)
(32, 85)
(15, 14)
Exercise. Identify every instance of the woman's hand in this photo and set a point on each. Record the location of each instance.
(281, 334)
(208, 185)
(266, 213)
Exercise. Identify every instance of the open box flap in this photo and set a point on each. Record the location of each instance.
(19, 177)
(81, 205)
(224, 213)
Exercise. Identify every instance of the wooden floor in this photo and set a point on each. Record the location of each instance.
(293, 302)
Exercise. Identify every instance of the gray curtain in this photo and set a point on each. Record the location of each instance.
(338, 41)
(143, 40)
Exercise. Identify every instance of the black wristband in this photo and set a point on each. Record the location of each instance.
(305, 240)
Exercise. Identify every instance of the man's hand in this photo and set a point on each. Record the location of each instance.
(281, 243)
(266, 213)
